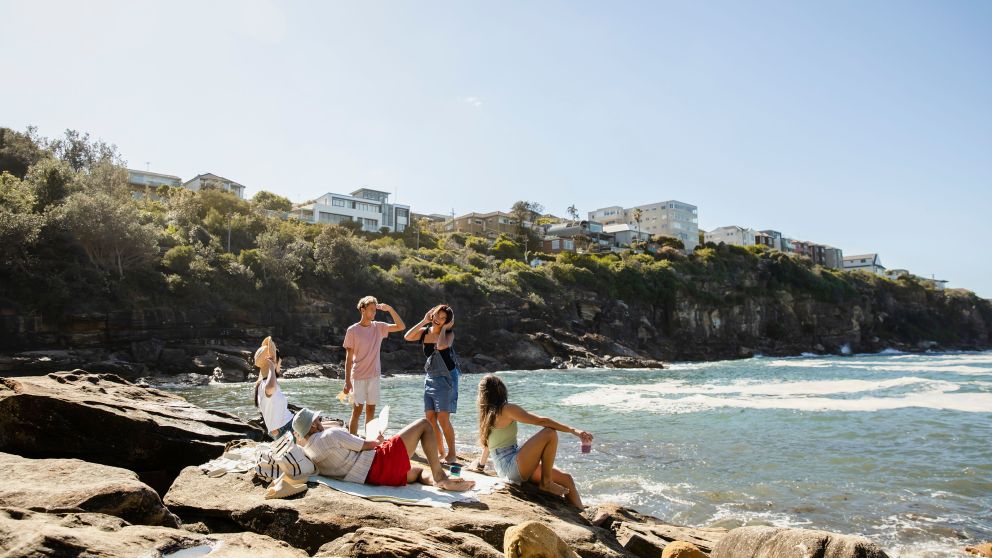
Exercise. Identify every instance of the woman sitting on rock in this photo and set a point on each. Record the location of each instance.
(435, 334)
(270, 400)
(534, 461)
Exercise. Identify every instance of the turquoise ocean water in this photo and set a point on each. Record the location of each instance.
(895, 447)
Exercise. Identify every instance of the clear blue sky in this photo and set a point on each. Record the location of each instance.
(865, 125)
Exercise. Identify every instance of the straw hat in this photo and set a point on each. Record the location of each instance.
(268, 349)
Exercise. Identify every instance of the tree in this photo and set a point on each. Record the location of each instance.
(573, 212)
(110, 232)
(521, 212)
(638, 215)
(52, 181)
(19, 151)
(80, 152)
(19, 227)
(274, 202)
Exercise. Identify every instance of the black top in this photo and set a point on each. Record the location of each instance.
(445, 353)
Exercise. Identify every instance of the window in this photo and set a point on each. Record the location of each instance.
(337, 202)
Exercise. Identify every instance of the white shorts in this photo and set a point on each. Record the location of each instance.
(365, 392)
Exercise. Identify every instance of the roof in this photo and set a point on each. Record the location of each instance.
(212, 175)
(150, 173)
(861, 257)
(370, 190)
(621, 227)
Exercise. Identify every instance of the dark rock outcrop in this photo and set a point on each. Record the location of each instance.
(104, 419)
(71, 485)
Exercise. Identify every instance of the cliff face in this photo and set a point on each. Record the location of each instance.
(701, 317)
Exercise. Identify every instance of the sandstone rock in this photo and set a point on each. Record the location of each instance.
(984, 550)
(534, 539)
(775, 542)
(26, 534)
(102, 418)
(682, 549)
(391, 542)
(314, 371)
(235, 503)
(66, 485)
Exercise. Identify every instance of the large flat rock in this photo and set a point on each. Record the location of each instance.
(71, 485)
(24, 534)
(102, 418)
(777, 542)
(235, 502)
(390, 542)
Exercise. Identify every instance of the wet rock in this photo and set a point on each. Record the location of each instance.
(104, 419)
(66, 485)
(643, 535)
(984, 550)
(25, 533)
(399, 543)
(314, 371)
(634, 362)
(769, 542)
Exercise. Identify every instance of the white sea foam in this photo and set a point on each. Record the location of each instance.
(679, 397)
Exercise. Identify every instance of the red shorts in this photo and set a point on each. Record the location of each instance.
(390, 464)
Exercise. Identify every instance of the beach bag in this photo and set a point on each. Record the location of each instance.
(266, 467)
(291, 459)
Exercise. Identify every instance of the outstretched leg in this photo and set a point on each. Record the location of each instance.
(421, 432)
(536, 461)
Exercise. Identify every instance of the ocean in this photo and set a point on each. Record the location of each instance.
(894, 447)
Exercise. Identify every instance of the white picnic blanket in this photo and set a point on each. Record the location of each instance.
(416, 494)
(243, 459)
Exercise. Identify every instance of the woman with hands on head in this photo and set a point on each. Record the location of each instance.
(435, 334)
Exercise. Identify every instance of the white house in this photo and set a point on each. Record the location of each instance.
(738, 236)
(668, 218)
(369, 207)
(625, 235)
(209, 180)
(144, 183)
(864, 262)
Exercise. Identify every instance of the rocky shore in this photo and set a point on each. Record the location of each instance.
(98, 466)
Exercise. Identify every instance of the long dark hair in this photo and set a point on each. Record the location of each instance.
(258, 382)
(492, 399)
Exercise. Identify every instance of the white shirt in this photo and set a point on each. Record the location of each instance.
(275, 409)
(338, 454)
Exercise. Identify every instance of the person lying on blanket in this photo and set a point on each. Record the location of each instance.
(341, 455)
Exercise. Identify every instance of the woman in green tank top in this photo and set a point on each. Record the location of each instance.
(534, 460)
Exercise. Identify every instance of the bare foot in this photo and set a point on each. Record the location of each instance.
(455, 485)
(450, 458)
(553, 488)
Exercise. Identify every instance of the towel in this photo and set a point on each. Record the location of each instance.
(416, 494)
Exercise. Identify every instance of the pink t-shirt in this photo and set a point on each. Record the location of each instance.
(364, 343)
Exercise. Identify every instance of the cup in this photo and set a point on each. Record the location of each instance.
(586, 447)
(455, 470)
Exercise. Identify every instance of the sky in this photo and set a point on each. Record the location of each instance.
(862, 125)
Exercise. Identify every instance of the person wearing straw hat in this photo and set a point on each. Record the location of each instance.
(270, 400)
(341, 455)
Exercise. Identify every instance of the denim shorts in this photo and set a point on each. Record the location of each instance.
(505, 463)
(441, 393)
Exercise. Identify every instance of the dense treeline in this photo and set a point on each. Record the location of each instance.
(72, 236)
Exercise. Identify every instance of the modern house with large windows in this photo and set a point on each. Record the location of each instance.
(668, 218)
(369, 207)
(208, 181)
(864, 262)
(145, 183)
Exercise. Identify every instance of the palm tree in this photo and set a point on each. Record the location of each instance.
(573, 212)
(638, 214)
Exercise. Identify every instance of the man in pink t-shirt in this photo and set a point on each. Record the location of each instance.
(362, 368)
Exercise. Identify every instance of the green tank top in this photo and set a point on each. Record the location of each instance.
(503, 437)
